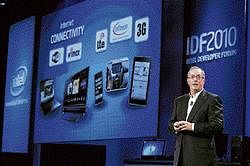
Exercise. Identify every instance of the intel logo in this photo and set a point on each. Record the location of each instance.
(120, 28)
(18, 81)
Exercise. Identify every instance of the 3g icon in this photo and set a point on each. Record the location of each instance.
(141, 29)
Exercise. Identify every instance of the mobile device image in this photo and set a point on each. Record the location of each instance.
(98, 88)
(48, 103)
(140, 81)
(117, 74)
(75, 96)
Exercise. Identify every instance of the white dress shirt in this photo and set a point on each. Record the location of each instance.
(191, 103)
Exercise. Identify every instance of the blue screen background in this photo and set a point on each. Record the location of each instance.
(153, 148)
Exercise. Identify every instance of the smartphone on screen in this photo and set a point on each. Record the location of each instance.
(140, 81)
(98, 88)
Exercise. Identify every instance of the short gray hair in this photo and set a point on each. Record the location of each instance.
(196, 67)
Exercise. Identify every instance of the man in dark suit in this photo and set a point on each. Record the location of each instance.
(196, 118)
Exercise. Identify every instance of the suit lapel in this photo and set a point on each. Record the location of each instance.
(184, 108)
(199, 102)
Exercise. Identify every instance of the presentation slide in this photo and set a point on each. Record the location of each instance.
(215, 42)
(98, 72)
(16, 124)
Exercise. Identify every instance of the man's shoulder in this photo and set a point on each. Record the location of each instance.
(210, 94)
(181, 98)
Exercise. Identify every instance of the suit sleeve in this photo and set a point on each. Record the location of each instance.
(215, 123)
(173, 118)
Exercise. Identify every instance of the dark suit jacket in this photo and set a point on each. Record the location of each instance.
(197, 147)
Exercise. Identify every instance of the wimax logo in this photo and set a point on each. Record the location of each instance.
(18, 81)
(121, 29)
(56, 57)
(74, 52)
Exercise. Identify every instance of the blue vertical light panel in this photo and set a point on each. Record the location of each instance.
(216, 42)
(16, 125)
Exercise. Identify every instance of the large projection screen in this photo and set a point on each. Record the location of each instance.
(90, 55)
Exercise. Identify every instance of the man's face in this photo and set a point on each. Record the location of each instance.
(195, 80)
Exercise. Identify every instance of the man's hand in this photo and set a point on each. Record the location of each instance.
(176, 126)
(182, 126)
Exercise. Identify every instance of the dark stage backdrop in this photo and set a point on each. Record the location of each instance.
(247, 117)
(72, 155)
